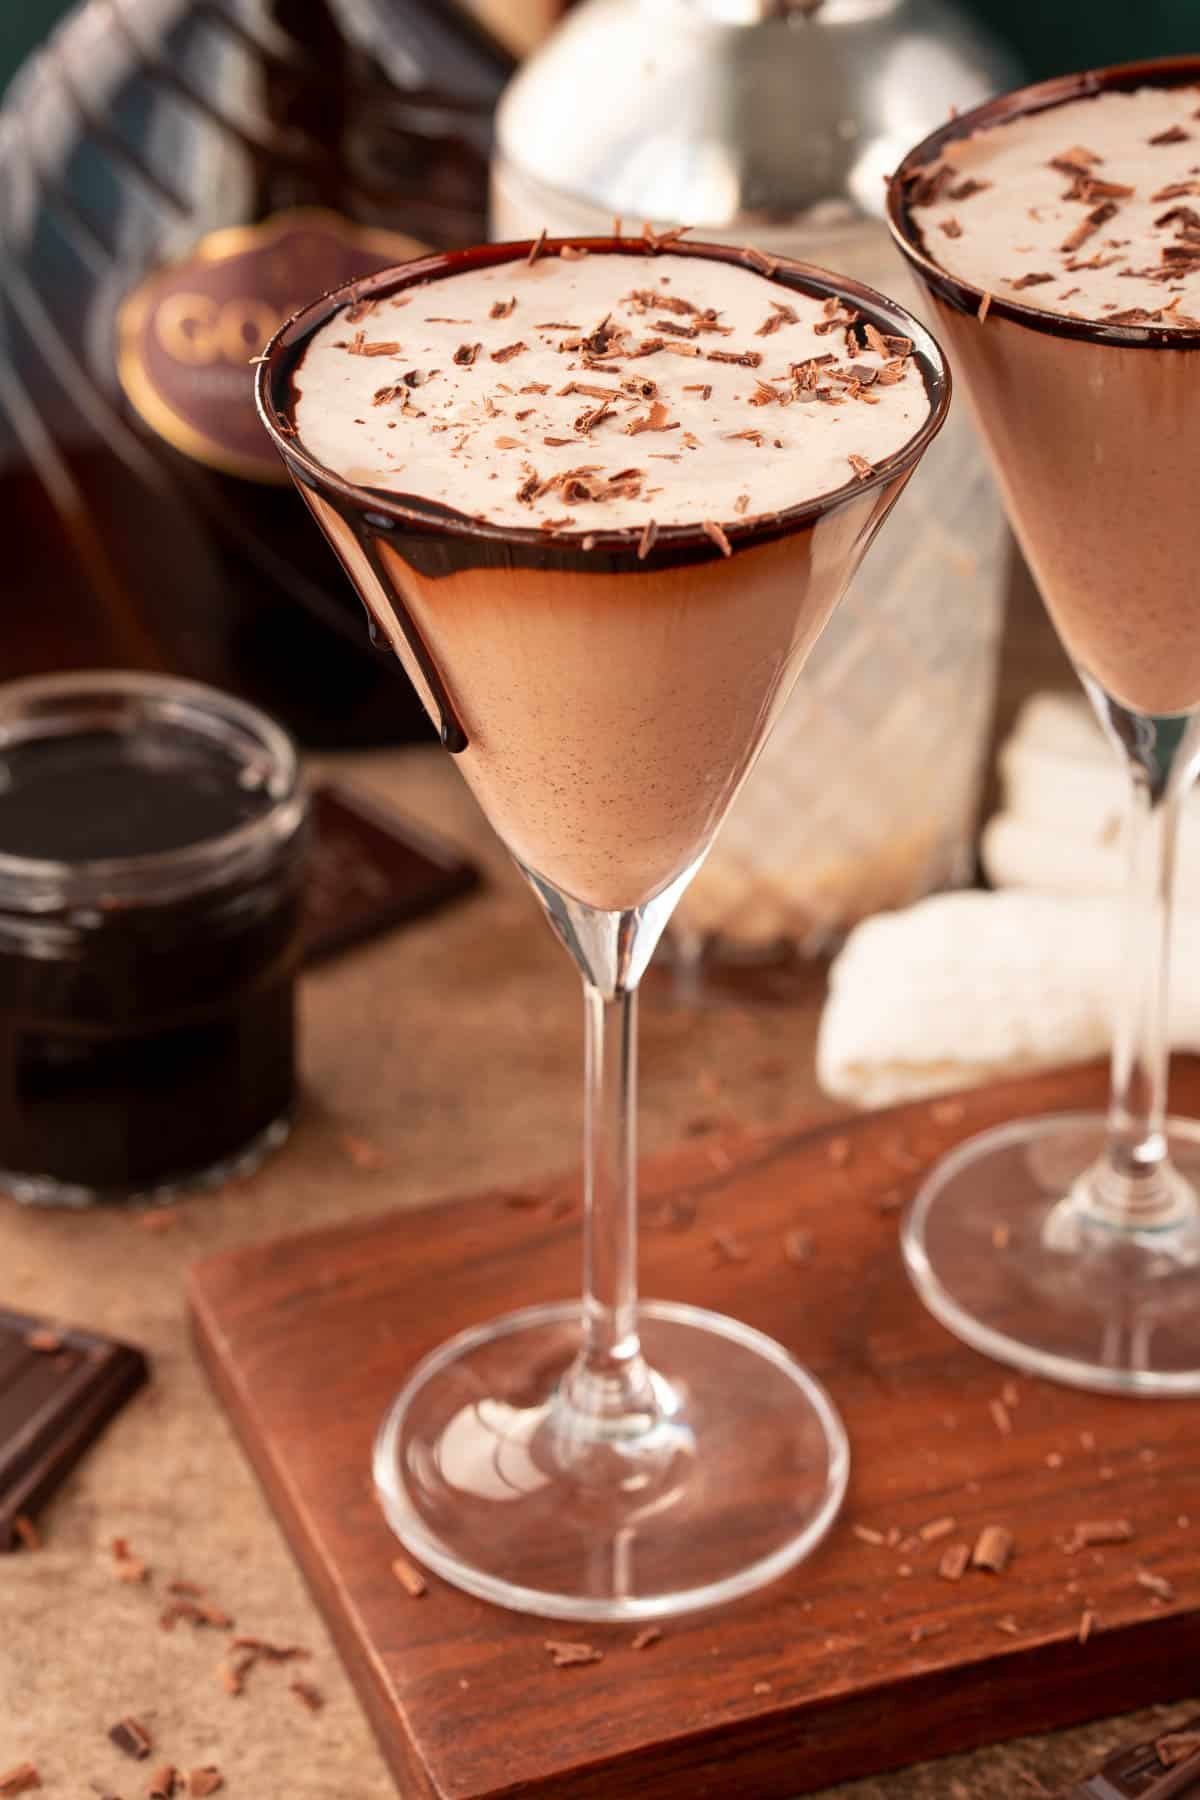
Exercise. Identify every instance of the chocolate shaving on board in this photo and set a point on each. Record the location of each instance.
(993, 1549)
(409, 1577)
(205, 1781)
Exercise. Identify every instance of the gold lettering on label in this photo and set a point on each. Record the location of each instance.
(194, 329)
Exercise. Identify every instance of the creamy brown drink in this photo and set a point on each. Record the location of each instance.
(635, 435)
(1061, 241)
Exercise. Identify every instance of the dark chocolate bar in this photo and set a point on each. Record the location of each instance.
(1148, 1771)
(370, 870)
(58, 1389)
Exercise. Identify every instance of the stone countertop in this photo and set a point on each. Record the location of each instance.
(496, 1100)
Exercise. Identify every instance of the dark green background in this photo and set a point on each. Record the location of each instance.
(1051, 37)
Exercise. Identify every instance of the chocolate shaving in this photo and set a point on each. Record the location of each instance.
(677, 349)
(1175, 134)
(648, 1635)
(954, 1561)
(1176, 190)
(650, 300)
(750, 437)
(993, 1549)
(465, 355)
(558, 443)
(131, 1737)
(963, 190)
(640, 386)
(765, 395)
(278, 1653)
(164, 1783)
(1098, 1531)
(409, 1577)
(951, 227)
(591, 391)
(647, 540)
(654, 420)
(741, 506)
(862, 468)
(202, 1782)
(780, 316)
(572, 252)
(926, 187)
(744, 359)
(674, 330)
(1131, 315)
(503, 309)
(662, 240)
(537, 248)
(527, 492)
(509, 443)
(567, 1655)
(758, 259)
(587, 421)
(377, 349)
(1099, 215)
(1158, 1585)
(713, 531)
(384, 395)
(21, 1780)
(508, 352)
(703, 388)
(984, 307)
(1034, 278)
(309, 1696)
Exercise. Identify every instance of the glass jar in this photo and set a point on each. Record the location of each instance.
(153, 837)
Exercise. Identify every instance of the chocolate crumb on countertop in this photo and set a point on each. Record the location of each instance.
(131, 1737)
(21, 1780)
(566, 1654)
(993, 1549)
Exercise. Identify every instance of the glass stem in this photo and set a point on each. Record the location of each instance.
(610, 1382)
(1135, 1186)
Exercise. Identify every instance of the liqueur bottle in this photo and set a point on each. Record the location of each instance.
(176, 177)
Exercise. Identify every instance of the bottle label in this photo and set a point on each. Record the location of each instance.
(186, 336)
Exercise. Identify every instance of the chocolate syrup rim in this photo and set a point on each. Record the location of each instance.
(1039, 96)
(614, 548)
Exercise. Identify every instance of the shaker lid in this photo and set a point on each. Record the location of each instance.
(716, 112)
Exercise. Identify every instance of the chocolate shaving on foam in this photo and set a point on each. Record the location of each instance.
(984, 307)
(766, 395)
(963, 190)
(744, 359)
(508, 351)
(654, 420)
(926, 186)
(503, 309)
(674, 330)
(1099, 215)
(862, 468)
(650, 300)
(1174, 134)
(951, 228)
(1034, 278)
(465, 355)
(662, 240)
(641, 387)
(537, 248)
(756, 438)
(573, 252)
(386, 348)
(779, 316)
(587, 421)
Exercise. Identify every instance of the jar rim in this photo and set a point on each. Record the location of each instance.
(42, 705)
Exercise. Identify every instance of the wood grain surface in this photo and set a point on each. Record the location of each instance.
(864, 1659)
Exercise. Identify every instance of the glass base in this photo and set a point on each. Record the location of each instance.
(1004, 1253)
(481, 1472)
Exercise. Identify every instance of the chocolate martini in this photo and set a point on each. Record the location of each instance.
(1057, 231)
(608, 721)
(601, 499)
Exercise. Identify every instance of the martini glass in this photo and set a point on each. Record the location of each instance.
(608, 1458)
(1069, 1245)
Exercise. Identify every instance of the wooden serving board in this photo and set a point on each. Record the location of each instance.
(863, 1659)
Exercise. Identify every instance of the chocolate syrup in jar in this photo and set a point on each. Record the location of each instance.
(152, 847)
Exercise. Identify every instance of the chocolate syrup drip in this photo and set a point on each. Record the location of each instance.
(367, 529)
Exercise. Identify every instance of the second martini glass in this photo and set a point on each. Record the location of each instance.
(605, 694)
(1070, 1245)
